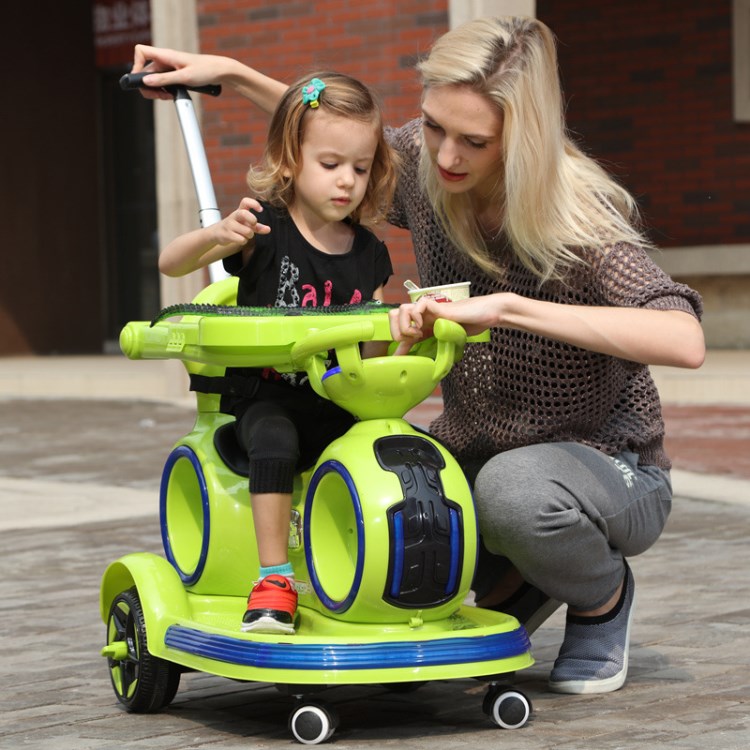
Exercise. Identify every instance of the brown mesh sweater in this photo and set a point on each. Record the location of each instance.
(520, 389)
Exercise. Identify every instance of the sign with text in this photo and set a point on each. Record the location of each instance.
(118, 26)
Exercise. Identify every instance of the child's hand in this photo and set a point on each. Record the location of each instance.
(241, 225)
(406, 327)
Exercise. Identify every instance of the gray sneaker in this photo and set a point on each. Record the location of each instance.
(594, 655)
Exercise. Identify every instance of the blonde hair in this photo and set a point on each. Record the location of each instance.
(554, 198)
(343, 96)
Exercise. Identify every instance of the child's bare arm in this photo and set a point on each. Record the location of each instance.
(201, 247)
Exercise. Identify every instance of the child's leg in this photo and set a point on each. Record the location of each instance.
(270, 438)
(272, 603)
(271, 514)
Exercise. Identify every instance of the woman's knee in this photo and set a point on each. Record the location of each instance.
(521, 497)
(511, 493)
(517, 478)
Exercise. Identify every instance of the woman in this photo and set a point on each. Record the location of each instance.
(557, 420)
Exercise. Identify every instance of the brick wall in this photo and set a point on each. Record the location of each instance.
(648, 86)
(377, 41)
(649, 91)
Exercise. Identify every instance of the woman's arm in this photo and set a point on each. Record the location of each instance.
(173, 67)
(651, 337)
(201, 247)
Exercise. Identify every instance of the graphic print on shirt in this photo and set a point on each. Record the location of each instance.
(311, 294)
(288, 296)
(288, 276)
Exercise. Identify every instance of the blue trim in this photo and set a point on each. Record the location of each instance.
(333, 371)
(455, 535)
(397, 549)
(183, 451)
(340, 605)
(348, 656)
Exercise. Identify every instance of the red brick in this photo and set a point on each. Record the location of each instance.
(681, 127)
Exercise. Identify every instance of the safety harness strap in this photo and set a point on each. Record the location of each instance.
(245, 386)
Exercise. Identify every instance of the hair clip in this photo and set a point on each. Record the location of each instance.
(311, 92)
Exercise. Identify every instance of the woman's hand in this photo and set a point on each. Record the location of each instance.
(171, 67)
(412, 322)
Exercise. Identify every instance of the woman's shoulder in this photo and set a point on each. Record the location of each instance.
(406, 140)
(631, 275)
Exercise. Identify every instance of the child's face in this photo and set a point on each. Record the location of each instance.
(336, 159)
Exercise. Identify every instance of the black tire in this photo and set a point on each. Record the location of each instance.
(312, 723)
(508, 708)
(142, 683)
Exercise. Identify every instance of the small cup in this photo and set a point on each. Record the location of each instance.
(443, 293)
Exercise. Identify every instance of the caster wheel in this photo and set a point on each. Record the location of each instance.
(508, 708)
(142, 682)
(312, 723)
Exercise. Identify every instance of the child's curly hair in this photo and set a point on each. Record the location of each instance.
(343, 96)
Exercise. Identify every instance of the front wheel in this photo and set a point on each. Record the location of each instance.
(142, 683)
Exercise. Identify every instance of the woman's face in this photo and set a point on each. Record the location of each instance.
(462, 133)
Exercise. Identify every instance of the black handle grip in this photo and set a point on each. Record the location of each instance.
(131, 81)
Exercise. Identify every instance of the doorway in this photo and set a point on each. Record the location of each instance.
(131, 250)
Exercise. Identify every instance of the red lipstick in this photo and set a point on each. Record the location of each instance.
(451, 176)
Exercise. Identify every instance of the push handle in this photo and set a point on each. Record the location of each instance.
(208, 207)
(132, 81)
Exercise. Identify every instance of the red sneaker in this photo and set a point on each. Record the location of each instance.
(271, 606)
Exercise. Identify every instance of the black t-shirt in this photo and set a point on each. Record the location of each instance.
(285, 270)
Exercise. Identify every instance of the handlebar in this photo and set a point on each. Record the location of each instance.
(385, 386)
(251, 341)
(133, 81)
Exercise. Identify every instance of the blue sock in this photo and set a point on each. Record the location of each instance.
(283, 570)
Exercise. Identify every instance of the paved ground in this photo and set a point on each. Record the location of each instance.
(713, 439)
(78, 483)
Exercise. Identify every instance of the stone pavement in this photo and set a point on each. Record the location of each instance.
(79, 487)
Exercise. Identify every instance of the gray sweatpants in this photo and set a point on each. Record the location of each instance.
(565, 515)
